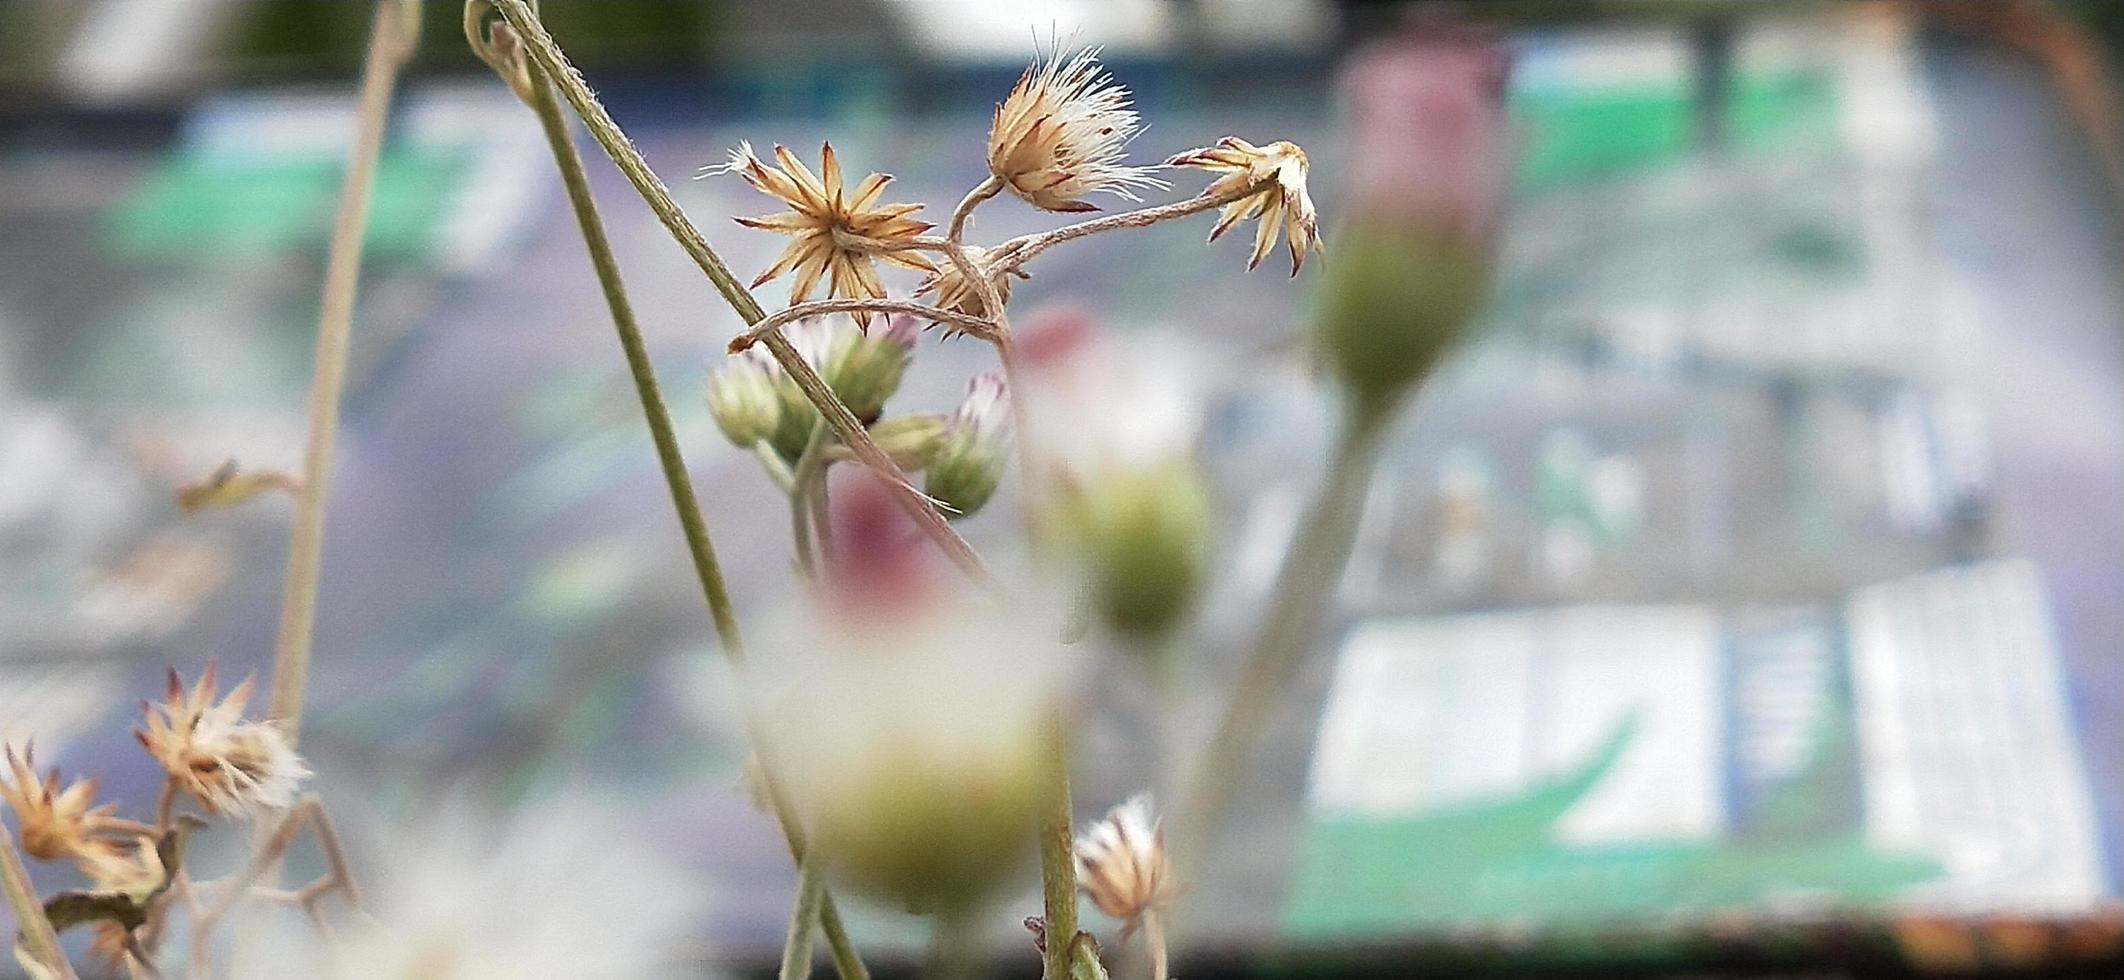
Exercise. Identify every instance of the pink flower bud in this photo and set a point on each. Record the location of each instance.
(1428, 140)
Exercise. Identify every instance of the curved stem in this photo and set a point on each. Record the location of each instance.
(771, 463)
(392, 36)
(774, 322)
(547, 55)
(1018, 251)
(846, 961)
(1304, 593)
(986, 189)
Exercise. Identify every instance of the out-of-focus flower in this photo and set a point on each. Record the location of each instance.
(565, 889)
(968, 461)
(1122, 865)
(911, 440)
(953, 292)
(865, 368)
(58, 823)
(742, 398)
(206, 746)
(907, 722)
(837, 237)
(1127, 498)
(1283, 206)
(1062, 133)
(1427, 170)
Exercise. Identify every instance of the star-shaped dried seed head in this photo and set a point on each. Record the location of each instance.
(836, 237)
(1282, 203)
(1062, 133)
(57, 823)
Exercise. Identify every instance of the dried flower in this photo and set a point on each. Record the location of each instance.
(953, 292)
(1122, 865)
(1062, 133)
(1282, 205)
(969, 459)
(207, 747)
(58, 823)
(836, 237)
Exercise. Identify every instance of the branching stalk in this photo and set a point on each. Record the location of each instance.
(392, 37)
(796, 949)
(773, 323)
(540, 46)
(1020, 250)
(846, 960)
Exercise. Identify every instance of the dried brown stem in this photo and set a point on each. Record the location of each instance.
(307, 812)
(773, 323)
(38, 937)
(1020, 250)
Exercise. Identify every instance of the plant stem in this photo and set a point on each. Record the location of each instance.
(1020, 250)
(986, 189)
(392, 37)
(547, 55)
(1058, 862)
(955, 952)
(808, 469)
(1154, 938)
(796, 948)
(771, 462)
(1304, 592)
(978, 326)
(676, 480)
(38, 937)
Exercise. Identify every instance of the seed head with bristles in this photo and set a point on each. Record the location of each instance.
(1062, 133)
(1122, 865)
(838, 237)
(211, 752)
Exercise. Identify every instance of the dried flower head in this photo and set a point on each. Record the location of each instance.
(836, 236)
(955, 293)
(1062, 133)
(1281, 204)
(210, 751)
(1122, 864)
(58, 823)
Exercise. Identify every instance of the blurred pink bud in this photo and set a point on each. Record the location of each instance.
(1428, 140)
(879, 562)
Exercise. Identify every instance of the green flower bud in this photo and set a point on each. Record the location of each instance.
(1393, 305)
(911, 440)
(743, 401)
(966, 462)
(1142, 535)
(865, 368)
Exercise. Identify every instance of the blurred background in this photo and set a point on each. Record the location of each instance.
(1745, 598)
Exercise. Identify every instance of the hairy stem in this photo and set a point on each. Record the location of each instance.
(392, 37)
(803, 917)
(1058, 862)
(38, 937)
(1304, 593)
(1020, 250)
(547, 55)
(773, 323)
(986, 189)
(676, 479)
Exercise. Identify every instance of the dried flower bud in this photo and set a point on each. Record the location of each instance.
(743, 400)
(229, 764)
(865, 367)
(953, 292)
(1283, 205)
(1428, 168)
(835, 236)
(58, 823)
(1122, 865)
(1062, 133)
(967, 463)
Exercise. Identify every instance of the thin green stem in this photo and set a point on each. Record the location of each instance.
(547, 55)
(808, 469)
(1304, 593)
(803, 918)
(771, 463)
(683, 500)
(38, 937)
(1058, 862)
(392, 36)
